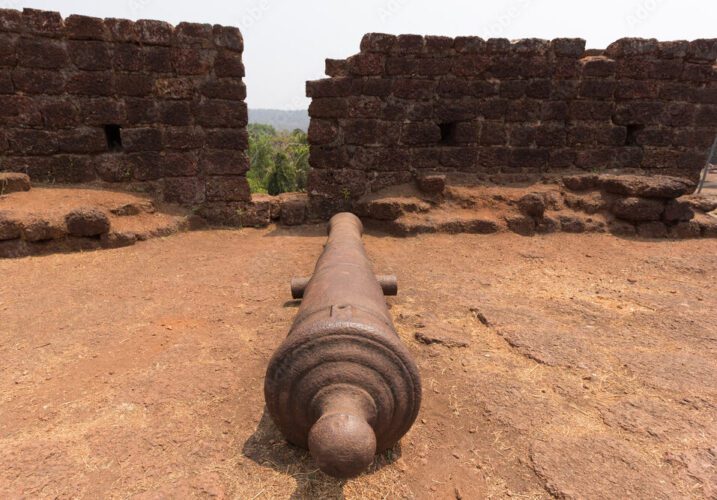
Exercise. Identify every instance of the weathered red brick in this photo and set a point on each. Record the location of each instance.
(123, 30)
(192, 138)
(96, 83)
(38, 81)
(141, 139)
(366, 64)
(224, 88)
(329, 87)
(89, 55)
(41, 53)
(336, 67)
(234, 188)
(214, 113)
(225, 138)
(42, 23)
(328, 107)
(420, 133)
(194, 35)
(229, 38)
(228, 64)
(82, 140)
(189, 61)
(175, 164)
(155, 32)
(224, 162)
(157, 59)
(185, 190)
(377, 42)
(86, 28)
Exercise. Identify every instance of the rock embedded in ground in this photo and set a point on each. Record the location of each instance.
(581, 182)
(293, 212)
(685, 229)
(521, 224)
(431, 184)
(656, 186)
(532, 204)
(39, 229)
(678, 210)
(654, 229)
(12, 182)
(87, 222)
(9, 228)
(445, 339)
(638, 209)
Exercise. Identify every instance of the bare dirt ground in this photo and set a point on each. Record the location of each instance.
(577, 366)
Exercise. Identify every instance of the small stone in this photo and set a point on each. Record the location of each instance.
(12, 182)
(87, 222)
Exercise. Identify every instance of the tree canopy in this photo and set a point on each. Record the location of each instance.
(278, 160)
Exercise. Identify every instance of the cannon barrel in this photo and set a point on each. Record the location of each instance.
(342, 384)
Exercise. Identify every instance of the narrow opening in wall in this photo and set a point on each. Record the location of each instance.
(113, 133)
(632, 131)
(448, 132)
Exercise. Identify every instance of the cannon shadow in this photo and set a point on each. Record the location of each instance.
(268, 448)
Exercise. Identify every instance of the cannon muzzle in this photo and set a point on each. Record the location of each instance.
(342, 384)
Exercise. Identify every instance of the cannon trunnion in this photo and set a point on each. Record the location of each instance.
(342, 384)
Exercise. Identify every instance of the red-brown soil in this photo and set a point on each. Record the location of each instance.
(576, 366)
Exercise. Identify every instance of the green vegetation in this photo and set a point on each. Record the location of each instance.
(278, 161)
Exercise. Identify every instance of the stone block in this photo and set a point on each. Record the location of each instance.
(224, 162)
(87, 222)
(636, 209)
(86, 28)
(228, 188)
(12, 182)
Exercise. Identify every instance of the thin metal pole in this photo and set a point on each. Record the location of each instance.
(708, 166)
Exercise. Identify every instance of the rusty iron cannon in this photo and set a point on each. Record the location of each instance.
(342, 384)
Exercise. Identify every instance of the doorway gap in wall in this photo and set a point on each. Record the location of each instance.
(113, 133)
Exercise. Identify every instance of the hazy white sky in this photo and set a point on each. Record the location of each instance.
(288, 40)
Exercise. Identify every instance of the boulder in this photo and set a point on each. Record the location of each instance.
(87, 222)
(656, 186)
(638, 209)
(708, 225)
(12, 182)
(532, 204)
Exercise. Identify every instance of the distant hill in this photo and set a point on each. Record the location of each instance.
(281, 119)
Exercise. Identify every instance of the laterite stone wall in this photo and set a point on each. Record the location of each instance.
(144, 104)
(411, 104)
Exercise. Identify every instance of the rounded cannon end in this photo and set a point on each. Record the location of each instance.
(343, 445)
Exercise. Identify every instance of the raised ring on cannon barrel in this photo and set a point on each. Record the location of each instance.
(342, 384)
